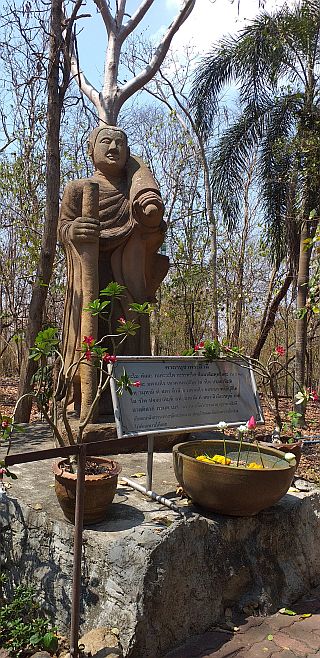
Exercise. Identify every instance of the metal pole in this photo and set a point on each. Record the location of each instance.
(77, 552)
(154, 496)
(150, 462)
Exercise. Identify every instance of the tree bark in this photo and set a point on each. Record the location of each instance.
(301, 322)
(49, 239)
(271, 316)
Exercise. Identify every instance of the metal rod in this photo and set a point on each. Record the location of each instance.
(107, 447)
(77, 552)
(153, 495)
(150, 461)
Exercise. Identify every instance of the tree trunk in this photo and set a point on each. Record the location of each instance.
(301, 321)
(271, 316)
(49, 239)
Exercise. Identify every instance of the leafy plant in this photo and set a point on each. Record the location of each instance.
(49, 391)
(24, 628)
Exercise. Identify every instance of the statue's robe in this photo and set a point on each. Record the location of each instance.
(127, 253)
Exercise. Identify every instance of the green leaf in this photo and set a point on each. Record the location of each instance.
(50, 642)
(286, 611)
(142, 308)
(301, 313)
(270, 637)
(113, 289)
(96, 307)
(130, 328)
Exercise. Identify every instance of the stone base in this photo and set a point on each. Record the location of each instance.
(157, 577)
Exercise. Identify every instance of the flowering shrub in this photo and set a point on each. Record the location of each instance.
(93, 351)
(268, 373)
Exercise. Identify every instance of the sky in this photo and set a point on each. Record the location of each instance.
(208, 22)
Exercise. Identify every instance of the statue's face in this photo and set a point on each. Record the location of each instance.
(110, 151)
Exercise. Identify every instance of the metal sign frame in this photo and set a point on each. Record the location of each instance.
(122, 361)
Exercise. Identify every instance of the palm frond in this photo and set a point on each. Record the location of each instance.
(216, 70)
(230, 160)
(276, 173)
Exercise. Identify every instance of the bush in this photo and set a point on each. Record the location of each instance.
(24, 628)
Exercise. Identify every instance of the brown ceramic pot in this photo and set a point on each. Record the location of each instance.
(229, 490)
(99, 490)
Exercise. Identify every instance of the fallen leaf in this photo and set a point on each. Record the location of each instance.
(286, 611)
(163, 520)
(306, 615)
(270, 637)
(51, 485)
(293, 490)
(138, 475)
(115, 631)
(37, 506)
(124, 483)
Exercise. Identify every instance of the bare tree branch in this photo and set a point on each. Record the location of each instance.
(135, 19)
(145, 76)
(106, 15)
(86, 87)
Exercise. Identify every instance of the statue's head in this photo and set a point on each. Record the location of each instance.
(108, 147)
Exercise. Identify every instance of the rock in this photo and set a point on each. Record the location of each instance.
(39, 654)
(4, 653)
(158, 588)
(304, 485)
(99, 643)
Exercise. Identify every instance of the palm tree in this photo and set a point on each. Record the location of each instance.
(275, 63)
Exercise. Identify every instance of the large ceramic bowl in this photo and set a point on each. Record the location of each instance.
(230, 490)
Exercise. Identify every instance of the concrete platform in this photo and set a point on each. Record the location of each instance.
(157, 577)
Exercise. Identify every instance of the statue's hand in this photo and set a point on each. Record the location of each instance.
(150, 210)
(85, 229)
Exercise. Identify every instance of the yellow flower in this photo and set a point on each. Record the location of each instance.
(254, 465)
(217, 459)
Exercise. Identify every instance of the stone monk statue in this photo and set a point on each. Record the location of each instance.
(129, 231)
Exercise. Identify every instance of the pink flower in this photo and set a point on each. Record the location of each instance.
(251, 424)
(199, 346)
(109, 358)
(2, 471)
(280, 350)
(5, 424)
(137, 384)
(315, 396)
(88, 340)
(88, 355)
(122, 320)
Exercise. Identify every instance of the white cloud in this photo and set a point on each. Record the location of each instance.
(210, 20)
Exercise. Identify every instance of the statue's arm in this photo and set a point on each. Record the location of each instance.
(145, 194)
(148, 208)
(72, 226)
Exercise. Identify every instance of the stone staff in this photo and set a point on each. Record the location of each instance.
(89, 254)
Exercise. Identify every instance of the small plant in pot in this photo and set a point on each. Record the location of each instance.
(51, 392)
